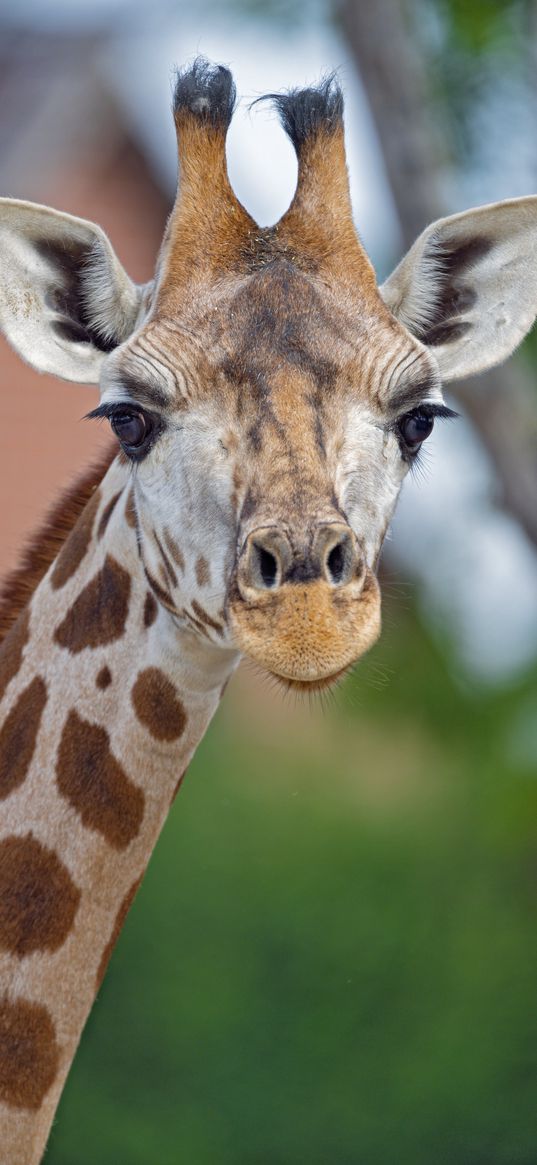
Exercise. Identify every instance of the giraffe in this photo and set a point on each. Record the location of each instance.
(267, 399)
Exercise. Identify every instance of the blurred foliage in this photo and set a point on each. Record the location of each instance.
(334, 953)
(466, 47)
(483, 26)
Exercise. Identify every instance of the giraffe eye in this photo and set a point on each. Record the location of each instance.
(132, 427)
(415, 427)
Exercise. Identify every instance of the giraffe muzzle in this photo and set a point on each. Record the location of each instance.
(305, 611)
(270, 559)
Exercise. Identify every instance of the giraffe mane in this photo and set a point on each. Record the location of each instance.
(46, 542)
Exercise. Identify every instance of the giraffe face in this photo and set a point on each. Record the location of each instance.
(270, 397)
(269, 461)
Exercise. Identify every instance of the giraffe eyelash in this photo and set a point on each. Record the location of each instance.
(113, 411)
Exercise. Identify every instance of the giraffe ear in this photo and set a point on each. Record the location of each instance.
(65, 300)
(468, 286)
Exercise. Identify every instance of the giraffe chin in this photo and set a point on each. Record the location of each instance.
(291, 685)
(308, 636)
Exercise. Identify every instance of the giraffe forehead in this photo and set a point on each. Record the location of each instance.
(284, 318)
(243, 329)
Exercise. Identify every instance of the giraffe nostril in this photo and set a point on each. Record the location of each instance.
(338, 556)
(265, 557)
(268, 566)
(335, 563)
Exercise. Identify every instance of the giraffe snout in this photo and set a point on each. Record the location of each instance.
(304, 608)
(269, 559)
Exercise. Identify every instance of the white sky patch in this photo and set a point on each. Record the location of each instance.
(262, 162)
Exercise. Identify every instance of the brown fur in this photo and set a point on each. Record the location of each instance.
(92, 780)
(29, 1054)
(157, 705)
(38, 898)
(328, 240)
(75, 548)
(18, 735)
(99, 614)
(130, 510)
(174, 550)
(11, 651)
(212, 241)
(340, 627)
(46, 543)
(103, 679)
(107, 513)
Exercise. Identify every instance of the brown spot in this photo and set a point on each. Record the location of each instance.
(116, 929)
(46, 544)
(19, 734)
(205, 618)
(168, 568)
(95, 784)
(162, 594)
(162, 574)
(203, 573)
(107, 513)
(150, 609)
(99, 614)
(74, 550)
(29, 1054)
(104, 678)
(130, 510)
(11, 651)
(38, 898)
(174, 550)
(197, 625)
(157, 705)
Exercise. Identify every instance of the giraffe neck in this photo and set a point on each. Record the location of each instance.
(103, 702)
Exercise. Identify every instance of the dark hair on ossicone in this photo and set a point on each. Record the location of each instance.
(207, 91)
(306, 112)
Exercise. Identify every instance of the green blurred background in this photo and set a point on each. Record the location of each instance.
(333, 956)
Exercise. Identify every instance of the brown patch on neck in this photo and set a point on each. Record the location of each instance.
(157, 705)
(11, 651)
(38, 898)
(95, 784)
(18, 736)
(99, 614)
(150, 609)
(29, 1053)
(47, 542)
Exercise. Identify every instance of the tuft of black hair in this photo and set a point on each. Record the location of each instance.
(305, 112)
(207, 91)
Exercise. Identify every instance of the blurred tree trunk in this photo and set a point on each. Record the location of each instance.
(502, 404)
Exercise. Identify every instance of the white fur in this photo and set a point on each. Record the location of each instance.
(504, 279)
(28, 282)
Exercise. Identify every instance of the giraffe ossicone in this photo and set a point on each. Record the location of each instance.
(271, 399)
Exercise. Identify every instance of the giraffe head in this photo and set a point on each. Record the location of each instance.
(269, 396)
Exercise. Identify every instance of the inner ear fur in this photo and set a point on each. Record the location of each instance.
(468, 286)
(65, 299)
